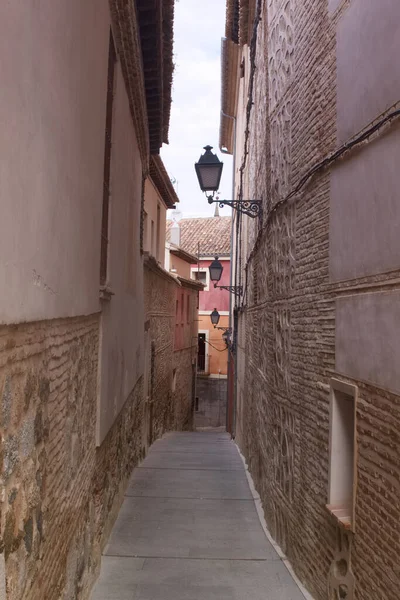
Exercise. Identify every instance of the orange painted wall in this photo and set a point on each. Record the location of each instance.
(216, 348)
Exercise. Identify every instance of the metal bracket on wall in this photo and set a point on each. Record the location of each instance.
(251, 208)
(233, 289)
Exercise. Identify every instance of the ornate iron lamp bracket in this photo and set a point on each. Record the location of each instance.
(251, 208)
(233, 289)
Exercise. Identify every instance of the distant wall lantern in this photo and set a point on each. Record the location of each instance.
(209, 171)
(216, 269)
(215, 317)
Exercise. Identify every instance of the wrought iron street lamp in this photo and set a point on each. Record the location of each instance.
(209, 171)
(216, 270)
(215, 317)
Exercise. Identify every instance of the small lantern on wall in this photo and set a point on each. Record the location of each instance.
(215, 270)
(214, 317)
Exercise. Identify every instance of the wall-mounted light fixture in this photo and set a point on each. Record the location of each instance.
(216, 270)
(209, 171)
(215, 317)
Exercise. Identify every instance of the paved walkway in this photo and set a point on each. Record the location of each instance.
(189, 530)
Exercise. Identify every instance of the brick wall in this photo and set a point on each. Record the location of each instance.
(287, 354)
(171, 402)
(211, 393)
(59, 494)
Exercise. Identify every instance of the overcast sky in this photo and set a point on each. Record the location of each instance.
(196, 101)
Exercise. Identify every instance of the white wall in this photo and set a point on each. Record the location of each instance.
(53, 73)
(122, 328)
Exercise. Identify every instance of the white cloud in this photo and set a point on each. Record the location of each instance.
(196, 100)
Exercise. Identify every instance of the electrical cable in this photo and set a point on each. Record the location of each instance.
(322, 165)
(215, 348)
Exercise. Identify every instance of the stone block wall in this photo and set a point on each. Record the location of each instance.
(288, 348)
(170, 372)
(59, 494)
(212, 397)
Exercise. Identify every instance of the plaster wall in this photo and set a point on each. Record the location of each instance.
(364, 226)
(369, 83)
(214, 297)
(52, 115)
(122, 333)
(152, 200)
(182, 266)
(367, 344)
(216, 349)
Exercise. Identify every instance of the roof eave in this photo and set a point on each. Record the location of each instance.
(162, 182)
(229, 93)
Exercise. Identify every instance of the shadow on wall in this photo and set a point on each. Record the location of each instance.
(210, 405)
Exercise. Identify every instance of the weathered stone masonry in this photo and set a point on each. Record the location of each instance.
(59, 493)
(289, 345)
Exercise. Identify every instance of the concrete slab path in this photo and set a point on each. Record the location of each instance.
(189, 530)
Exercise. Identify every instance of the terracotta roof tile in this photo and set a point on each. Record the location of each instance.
(213, 234)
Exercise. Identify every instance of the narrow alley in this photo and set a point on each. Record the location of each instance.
(188, 529)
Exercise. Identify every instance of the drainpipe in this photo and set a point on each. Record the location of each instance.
(234, 358)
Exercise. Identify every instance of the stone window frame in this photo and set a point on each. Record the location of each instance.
(205, 270)
(343, 453)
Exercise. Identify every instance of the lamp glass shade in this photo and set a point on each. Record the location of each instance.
(209, 171)
(214, 317)
(215, 270)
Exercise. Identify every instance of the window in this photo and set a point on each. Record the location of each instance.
(342, 452)
(188, 310)
(112, 60)
(182, 306)
(158, 232)
(152, 240)
(173, 388)
(201, 353)
(145, 232)
(202, 275)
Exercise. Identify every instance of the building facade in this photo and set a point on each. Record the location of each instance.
(206, 238)
(170, 316)
(309, 109)
(86, 103)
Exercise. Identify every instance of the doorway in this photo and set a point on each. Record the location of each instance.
(201, 353)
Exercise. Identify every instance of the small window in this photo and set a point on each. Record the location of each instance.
(153, 240)
(145, 232)
(202, 276)
(158, 232)
(342, 453)
(188, 310)
(182, 307)
(173, 388)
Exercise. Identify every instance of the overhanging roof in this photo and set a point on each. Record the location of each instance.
(143, 32)
(162, 181)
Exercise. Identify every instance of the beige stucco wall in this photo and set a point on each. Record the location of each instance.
(52, 114)
(152, 199)
(182, 267)
(122, 334)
